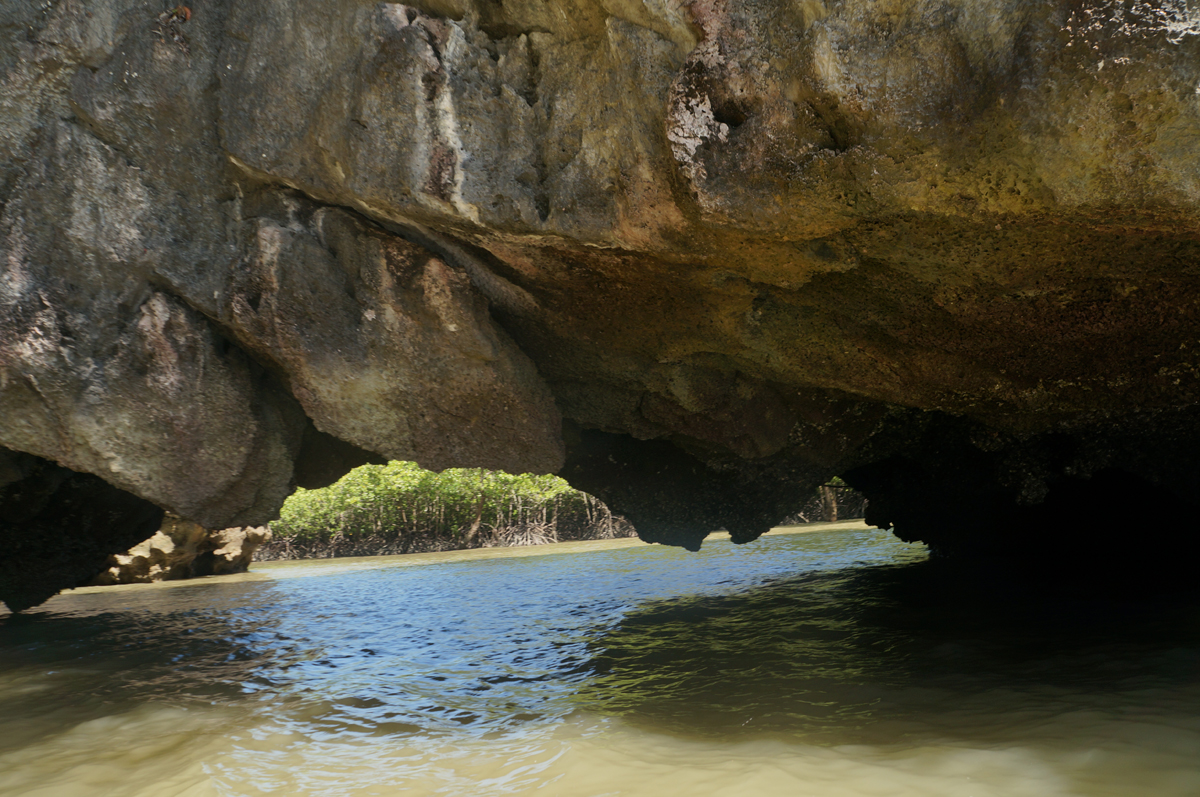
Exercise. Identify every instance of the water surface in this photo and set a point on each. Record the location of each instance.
(830, 663)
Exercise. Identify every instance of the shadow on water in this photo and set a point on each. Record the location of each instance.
(471, 649)
(913, 652)
(868, 644)
(118, 652)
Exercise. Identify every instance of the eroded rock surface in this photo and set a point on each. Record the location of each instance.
(182, 549)
(739, 246)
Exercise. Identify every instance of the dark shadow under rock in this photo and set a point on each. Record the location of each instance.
(58, 527)
(181, 549)
(675, 498)
(1078, 505)
(323, 459)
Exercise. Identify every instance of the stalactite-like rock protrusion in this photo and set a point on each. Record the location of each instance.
(731, 248)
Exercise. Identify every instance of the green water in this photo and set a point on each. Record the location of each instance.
(831, 663)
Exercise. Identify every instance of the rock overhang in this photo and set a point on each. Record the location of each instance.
(738, 247)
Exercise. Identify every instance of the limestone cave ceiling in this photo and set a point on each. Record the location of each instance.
(696, 256)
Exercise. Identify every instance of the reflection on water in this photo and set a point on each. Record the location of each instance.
(835, 663)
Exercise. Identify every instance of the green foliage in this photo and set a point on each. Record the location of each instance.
(400, 507)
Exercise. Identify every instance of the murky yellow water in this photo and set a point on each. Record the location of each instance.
(831, 663)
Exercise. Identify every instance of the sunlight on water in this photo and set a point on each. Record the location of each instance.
(836, 663)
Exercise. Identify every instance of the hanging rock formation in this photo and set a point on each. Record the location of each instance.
(697, 256)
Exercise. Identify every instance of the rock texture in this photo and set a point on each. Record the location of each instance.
(699, 255)
(182, 549)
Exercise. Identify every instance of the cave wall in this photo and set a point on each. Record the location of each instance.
(698, 256)
(58, 527)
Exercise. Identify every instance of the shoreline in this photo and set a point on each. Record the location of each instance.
(554, 548)
(261, 571)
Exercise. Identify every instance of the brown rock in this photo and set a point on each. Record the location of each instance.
(182, 549)
(738, 246)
